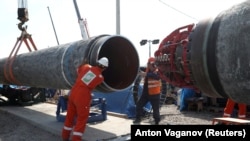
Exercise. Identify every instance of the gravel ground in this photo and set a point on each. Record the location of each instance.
(13, 128)
(16, 129)
(171, 115)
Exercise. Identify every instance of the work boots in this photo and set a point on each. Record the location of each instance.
(137, 121)
(156, 122)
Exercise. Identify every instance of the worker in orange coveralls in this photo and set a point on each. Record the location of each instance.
(228, 110)
(80, 99)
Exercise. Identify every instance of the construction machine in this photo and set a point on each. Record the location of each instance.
(20, 94)
(82, 22)
(211, 56)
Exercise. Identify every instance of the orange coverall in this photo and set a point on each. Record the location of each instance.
(228, 110)
(79, 101)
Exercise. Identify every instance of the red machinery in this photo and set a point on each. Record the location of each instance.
(172, 58)
(212, 56)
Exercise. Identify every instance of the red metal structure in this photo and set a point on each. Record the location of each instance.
(172, 57)
(211, 56)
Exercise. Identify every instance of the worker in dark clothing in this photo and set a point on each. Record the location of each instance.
(150, 93)
(79, 101)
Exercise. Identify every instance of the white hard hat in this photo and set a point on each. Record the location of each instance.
(104, 61)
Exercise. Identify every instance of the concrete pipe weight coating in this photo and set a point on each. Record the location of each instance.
(55, 67)
(212, 56)
(220, 54)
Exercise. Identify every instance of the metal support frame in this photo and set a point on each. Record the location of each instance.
(98, 111)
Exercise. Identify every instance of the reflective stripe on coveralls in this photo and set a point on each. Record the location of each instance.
(77, 134)
(80, 99)
(230, 107)
(67, 128)
(154, 86)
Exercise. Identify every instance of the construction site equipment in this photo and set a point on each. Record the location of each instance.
(82, 23)
(24, 37)
(27, 39)
(98, 111)
(55, 67)
(195, 102)
(211, 56)
(53, 26)
(22, 13)
(20, 95)
(230, 121)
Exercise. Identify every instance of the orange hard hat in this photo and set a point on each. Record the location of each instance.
(151, 60)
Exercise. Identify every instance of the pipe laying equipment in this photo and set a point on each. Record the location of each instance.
(212, 56)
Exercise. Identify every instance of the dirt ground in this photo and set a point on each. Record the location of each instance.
(170, 115)
(13, 128)
(16, 129)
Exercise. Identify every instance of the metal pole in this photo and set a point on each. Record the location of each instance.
(53, 26)
(82, 23)
(149, 42)
(118, 32)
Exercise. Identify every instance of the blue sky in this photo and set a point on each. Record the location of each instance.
(140, 19)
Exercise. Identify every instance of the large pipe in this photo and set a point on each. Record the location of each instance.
(220, 54)
(212, 56)
(55, 67)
